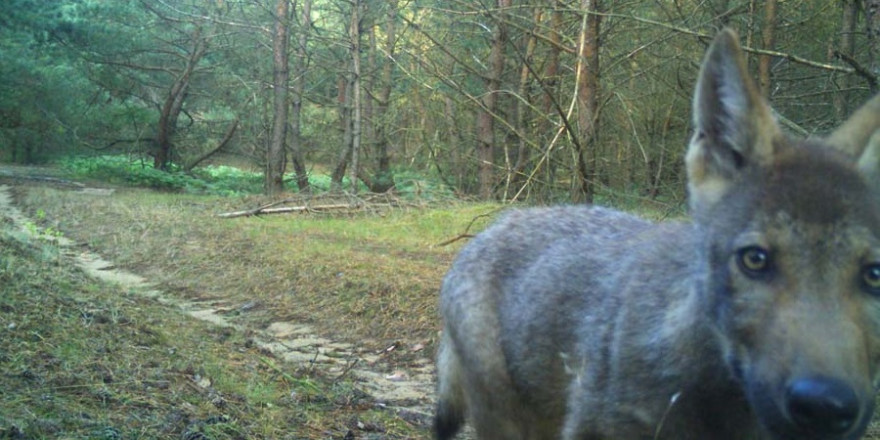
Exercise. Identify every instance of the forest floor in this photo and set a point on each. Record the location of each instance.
(133, 314)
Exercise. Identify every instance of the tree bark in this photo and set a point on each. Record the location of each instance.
(276, 159)
(485, 122)
(298, 89)
(355, 51)
(516, 174)
(551, 87)
(587, 102)
(344, 94)
(768, 41)
(173, 104)
(846, 45)
(872, 23)
(384, 179)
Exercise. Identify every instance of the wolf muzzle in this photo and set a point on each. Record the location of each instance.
(822, 405)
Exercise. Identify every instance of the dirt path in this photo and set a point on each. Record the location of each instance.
(408, 392)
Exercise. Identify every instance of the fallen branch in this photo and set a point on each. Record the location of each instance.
(267, 210)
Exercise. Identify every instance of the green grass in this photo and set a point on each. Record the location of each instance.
(84, 360)
(224, 180)
(370, 275)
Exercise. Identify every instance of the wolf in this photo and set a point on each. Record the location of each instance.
(758, 318)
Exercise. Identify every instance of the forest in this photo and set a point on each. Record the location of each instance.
(541, 100)
(128, 312)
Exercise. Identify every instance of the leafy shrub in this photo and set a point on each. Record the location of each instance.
(414, 184)
(123, 170)
(222, 179)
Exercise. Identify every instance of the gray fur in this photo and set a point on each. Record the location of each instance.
(582, 322)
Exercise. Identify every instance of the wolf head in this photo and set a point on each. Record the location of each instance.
(792, 242)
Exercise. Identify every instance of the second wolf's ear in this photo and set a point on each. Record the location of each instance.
(868, 160)
(733, 125)
(857, 134)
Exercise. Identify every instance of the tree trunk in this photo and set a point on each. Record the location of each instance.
(384, 179)
(173, 104)
(344, 85)
(299, 85)
(454, 141)
(276, 159)
(485, 123)
(516, 174)
(551, 88)
(355, 51)
(849, 12)
(222, 144)
(768, 40)
(872, 23)
(587, 102)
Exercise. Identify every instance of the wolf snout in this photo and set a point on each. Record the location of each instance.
(822, 405)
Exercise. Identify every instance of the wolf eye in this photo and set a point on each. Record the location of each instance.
(755, 260)
(871, 277)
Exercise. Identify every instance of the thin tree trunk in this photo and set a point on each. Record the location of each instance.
(551, 89)
(299, 81)
(223, 142)
(174, 103)
(846, 45)
(370, 84)
(516, 175)
(384, 179)
(344, 85)
(485, 123)
(453, 141)
(750, 23)
(587, 101)
(872, 23)
(355, 50)
(276, 159)
(768, 40)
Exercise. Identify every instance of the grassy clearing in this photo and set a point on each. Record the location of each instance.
(82, 360)
(371, 278)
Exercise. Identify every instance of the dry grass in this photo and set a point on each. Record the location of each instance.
(369, 277)
(81, 360)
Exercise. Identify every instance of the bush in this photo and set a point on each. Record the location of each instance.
(123, 170)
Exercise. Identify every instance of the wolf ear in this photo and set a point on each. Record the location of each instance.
(868, 160)
(859, 137)
(734, 129)
(853, 136)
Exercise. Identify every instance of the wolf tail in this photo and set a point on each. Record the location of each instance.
(451, 402)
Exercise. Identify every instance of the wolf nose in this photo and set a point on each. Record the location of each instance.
(822, 405)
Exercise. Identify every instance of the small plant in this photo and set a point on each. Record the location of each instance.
(46, 234)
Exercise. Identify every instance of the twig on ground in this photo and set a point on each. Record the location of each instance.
(466, 233)
(348, 367)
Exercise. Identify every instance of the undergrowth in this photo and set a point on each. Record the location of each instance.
(224, 180)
